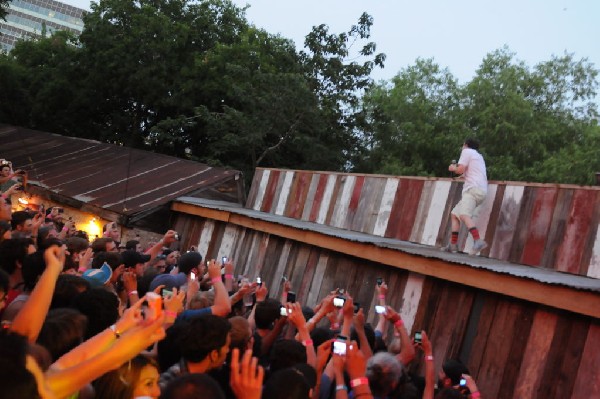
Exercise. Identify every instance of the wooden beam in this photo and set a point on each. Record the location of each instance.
(560, 297)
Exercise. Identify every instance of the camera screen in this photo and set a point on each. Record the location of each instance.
(418, 337)
(283, 311)
(380, 309)
(339, 348)
(338, 302)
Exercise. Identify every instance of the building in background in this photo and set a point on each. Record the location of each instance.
(29, 18)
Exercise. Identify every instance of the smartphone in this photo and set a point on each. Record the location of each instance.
(418, 338)
(192, 276)
(166, 293)
(154, 309)
(379, 281)
(259, 281)
(339, 347)
(338, 301)
(224, 259)
(380, 309)
(463, 382)
(291, 297)
(356, 307)
(283, 311)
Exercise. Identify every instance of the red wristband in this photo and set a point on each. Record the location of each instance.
(335, 326)
(308, 342)
(381, 296)
(132, 292)
(216, 280)
(359, 381)
(229, 276)
(170, 313)
(475, 395)
(398, 323)
(429, 357)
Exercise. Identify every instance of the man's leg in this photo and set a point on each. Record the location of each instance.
(453, 245)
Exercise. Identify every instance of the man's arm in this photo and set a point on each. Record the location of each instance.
(222, 304)
(167, 240)
(30, 319)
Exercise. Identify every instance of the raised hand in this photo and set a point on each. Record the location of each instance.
(247, 376)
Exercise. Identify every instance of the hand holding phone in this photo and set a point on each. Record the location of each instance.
(154, 309)
(338, 301)
(418, 337)
(379, 281)
(259, 281)
(291, 297)
(339, 347)
(380, 309)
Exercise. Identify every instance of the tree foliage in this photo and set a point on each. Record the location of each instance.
(531, 122)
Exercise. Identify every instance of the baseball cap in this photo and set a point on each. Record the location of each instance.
(132, 258)
(98, 277)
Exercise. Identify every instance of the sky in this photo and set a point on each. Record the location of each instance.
(457, 34)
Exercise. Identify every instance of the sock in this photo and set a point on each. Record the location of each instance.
(474, 233)
(454, 237)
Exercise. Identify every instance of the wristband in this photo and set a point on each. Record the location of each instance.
(341, 388)
(65, 228)
(216, 280)
(335, 326)
(132, 292)
(81, 269)
(429, 357)
(229, 276)
(359, 381)
(398, 323)
(170, 313)
(308, 342)
(381, 296)
(117, 333)
(475, 395)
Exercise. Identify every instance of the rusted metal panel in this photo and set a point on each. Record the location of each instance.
(587, 383)
(539, 226)
(123, 180)
(576, 232)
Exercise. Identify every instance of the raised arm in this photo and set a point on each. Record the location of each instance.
(429, 367)
(407, 351)
(222, 304)
(28, 322)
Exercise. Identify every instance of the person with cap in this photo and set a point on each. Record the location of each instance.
(136, 261)
(98, 277)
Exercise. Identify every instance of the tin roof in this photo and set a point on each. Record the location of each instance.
(109, 177)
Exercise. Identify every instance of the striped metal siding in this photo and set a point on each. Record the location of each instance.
(552, 226)
(514, 349)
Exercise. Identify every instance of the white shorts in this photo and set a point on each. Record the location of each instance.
(470, 200)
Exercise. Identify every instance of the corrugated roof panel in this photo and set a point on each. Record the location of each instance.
(120, 179)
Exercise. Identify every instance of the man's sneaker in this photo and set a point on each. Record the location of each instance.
(478, 246)
(453, 248)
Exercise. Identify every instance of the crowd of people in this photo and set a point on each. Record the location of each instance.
(108, 320)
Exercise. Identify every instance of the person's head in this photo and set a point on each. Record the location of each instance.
(136, 378)
(159, 263)
(113, 259)
(67, 287)
(101, 308)
(13, 253)
(172, 257)
(451, 373)
(286, 384)
(111, 230)
(471, 143)
(76, 247)
(193, 386)
(266, 313)
(20, 375)
(202, 299)
(45, 233)
(241, 334)
(383, 371)
(104, 244)
(205, 339)
(135, 260)
(134, 245)
(21, 222)
(5, 170)
(190, 261)
(286, 353)
(5, 229)
(320, 335)
(369, 333)
(62, 331)
(5, 210)
(33, 267)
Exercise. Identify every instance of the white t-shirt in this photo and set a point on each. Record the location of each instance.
(475, 173)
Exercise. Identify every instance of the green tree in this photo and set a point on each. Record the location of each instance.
(4, 9)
